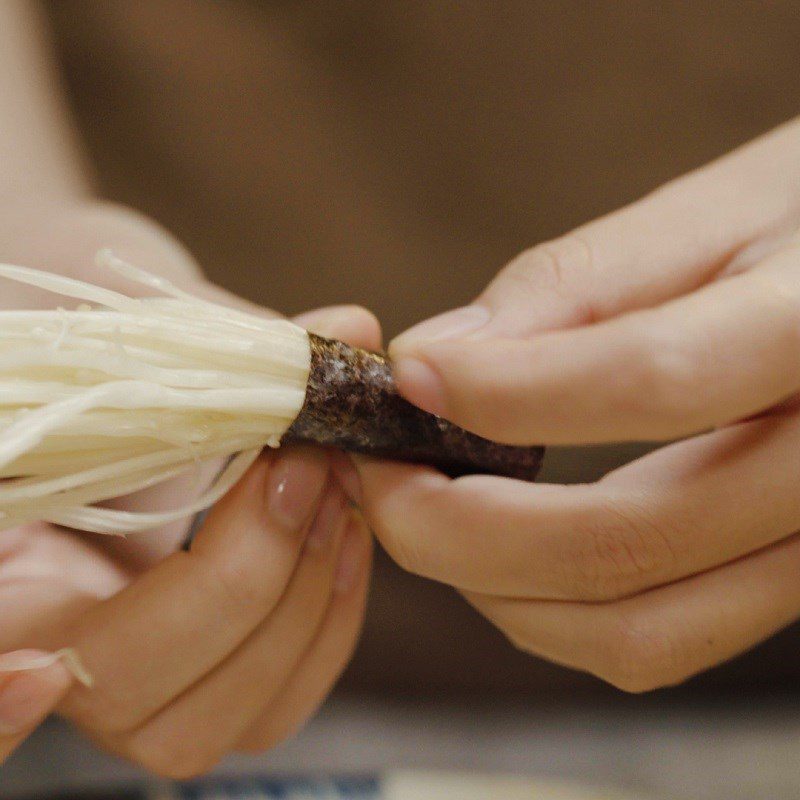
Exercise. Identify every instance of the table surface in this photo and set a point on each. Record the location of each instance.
(746, 749)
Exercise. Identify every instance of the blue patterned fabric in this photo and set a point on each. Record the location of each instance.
(351, 788)
(244, 788)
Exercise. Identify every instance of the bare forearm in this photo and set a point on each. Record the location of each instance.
(39, 154)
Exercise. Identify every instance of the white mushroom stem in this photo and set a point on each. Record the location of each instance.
(104, 400)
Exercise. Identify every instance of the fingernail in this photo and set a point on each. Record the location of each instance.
(350, 559)
(27, 698)
(458, 322)
(329, 519)
(421, 385)
(294, 486)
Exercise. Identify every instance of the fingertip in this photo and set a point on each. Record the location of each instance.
(421, 385)
(485, 386)
(31, 686)
(353, 324)
(395, 494)
(366, 329)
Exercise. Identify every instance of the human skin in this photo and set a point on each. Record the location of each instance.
(676, 317)
(229, 646)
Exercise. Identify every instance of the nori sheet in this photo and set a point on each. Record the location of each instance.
(352, 403)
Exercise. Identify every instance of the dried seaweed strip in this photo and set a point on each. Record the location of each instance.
(352, 403)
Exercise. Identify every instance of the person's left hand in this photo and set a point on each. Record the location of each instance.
(229, 646)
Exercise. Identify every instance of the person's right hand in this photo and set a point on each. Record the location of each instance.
(231, 645)
(676, 317)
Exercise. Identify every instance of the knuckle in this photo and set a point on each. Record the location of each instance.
(641, 655)
(560, 265)
(237, 587)
(616, 551)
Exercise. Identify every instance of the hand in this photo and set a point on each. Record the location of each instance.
(676, 316)
(194, 654)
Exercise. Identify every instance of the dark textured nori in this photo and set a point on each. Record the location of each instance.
(352, 403)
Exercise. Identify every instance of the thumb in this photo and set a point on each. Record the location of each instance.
(481, 365)
(28, 693)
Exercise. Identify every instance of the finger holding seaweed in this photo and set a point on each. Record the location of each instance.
(352, 402)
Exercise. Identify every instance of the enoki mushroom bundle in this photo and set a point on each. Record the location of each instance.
(118, 394)
(99, 402)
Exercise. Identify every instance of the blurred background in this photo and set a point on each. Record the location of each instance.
(396, 155)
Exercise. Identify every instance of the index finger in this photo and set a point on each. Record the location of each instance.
(175, 623)
(645, 524)
(718, 355)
